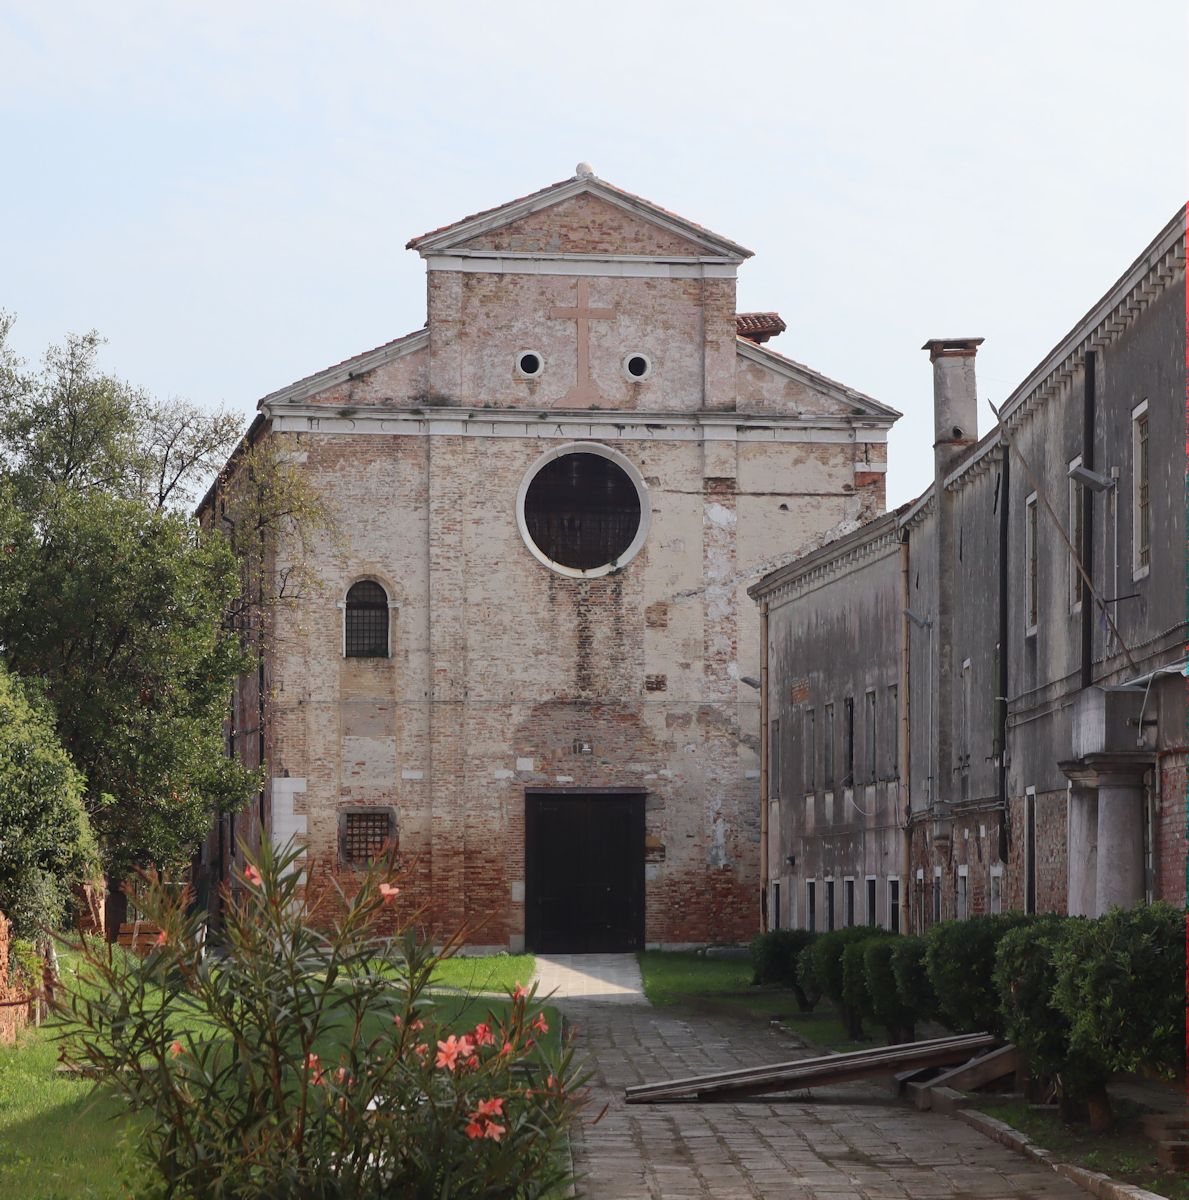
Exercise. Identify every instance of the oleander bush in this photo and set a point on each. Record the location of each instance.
(960, 961)
(307, 1060)
(913, 989)
(884, 1005)
(776, 956)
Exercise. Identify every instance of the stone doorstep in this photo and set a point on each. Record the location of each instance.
(1094, 1182)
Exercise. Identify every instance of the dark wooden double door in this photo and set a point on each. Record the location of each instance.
(584, 872)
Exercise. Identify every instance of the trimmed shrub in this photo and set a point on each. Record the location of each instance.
(913, 989)
(807, 979)
(1025, 976)
(1121, 986)
(884, 1003)
(775, 956)
(826, 953)
(960, 960)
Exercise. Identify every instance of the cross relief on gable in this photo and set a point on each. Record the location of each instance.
(584, 393)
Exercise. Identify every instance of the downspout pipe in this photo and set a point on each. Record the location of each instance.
(902, 731)
(1002, 693)
(764, 766)
(1086, 549)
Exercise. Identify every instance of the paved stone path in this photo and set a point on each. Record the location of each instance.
(850, 1142)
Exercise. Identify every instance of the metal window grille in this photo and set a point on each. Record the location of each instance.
(828, 750)
(367, 621)
(869, 734)
(366, 836)
(1032, 529)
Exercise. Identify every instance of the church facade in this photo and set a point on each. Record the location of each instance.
(531, 664)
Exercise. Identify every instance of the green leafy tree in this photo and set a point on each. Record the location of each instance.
(46, 843)
(118, 609)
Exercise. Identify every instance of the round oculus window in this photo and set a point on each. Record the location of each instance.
(637, 366)
(529, 364)
(583, 512)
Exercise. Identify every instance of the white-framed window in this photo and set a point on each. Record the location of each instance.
(1074, 530)
(1031, 565)
(872, 915)
(936, 895)
(893, 719)
(828, 746)
(963, 896)
(869, 733)
(774, 914)
(811, 905)
(848, 901)
(1030, 850)
(829, 903)
(792, 891)
(996, 889)
(1141, 495)
(809, 762)
(920, 897)
(894, 903)
(774, 759)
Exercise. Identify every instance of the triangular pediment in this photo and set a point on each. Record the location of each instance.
(767, 378)
(583, 215)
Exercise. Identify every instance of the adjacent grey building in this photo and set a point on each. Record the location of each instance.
(1024, 621)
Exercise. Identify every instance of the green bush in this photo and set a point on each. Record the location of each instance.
(46, 843)
(913, 989)
(884, 1003)
(775, 956)
(1121, 986)
(1025, 978)
(309, 1062)
(960, 960)
(807, 979)
(828, 970)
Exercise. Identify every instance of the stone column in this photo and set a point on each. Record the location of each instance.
(1120, 841)
(1082, 843)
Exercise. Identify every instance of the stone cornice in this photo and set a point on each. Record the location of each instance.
(610, 425)
(875, 540)
(1156, 269)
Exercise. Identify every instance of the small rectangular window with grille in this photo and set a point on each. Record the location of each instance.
(366, 835)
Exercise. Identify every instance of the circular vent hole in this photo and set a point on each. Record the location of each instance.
(529, 364)
(637, 366)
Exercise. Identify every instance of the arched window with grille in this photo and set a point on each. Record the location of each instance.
(366, 631)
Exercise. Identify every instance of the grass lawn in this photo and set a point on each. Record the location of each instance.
(490, 973)
(59, 1142)
(1126, 1155)
(723, 985)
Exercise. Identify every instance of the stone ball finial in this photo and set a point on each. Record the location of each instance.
(584, 170)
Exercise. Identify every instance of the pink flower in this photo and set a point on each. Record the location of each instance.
(388, 892)
(506, 1050)
(312, 1067)
(421, 1049)
(252, 875)
(162, 939)
(491, 1108)
(451, 1049)
(175, 1048)
(540, 1024)
(494, 1131)
(483, 1035)
(519, 993)
(474, 1130)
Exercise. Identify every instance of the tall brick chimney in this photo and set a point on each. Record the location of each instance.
(955, 427)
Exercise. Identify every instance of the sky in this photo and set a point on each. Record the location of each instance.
(224, 190)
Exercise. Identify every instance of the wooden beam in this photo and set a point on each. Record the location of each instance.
(833, 1068)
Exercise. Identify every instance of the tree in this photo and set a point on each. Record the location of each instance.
(71, 428)
(118, 609)
(46, 843)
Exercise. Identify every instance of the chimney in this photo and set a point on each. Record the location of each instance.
(955, 426)
(955, 399)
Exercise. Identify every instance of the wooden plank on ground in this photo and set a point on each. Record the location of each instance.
(833, 1068)
(980, 1071)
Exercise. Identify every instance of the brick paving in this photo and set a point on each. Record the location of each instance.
(850, 1142)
